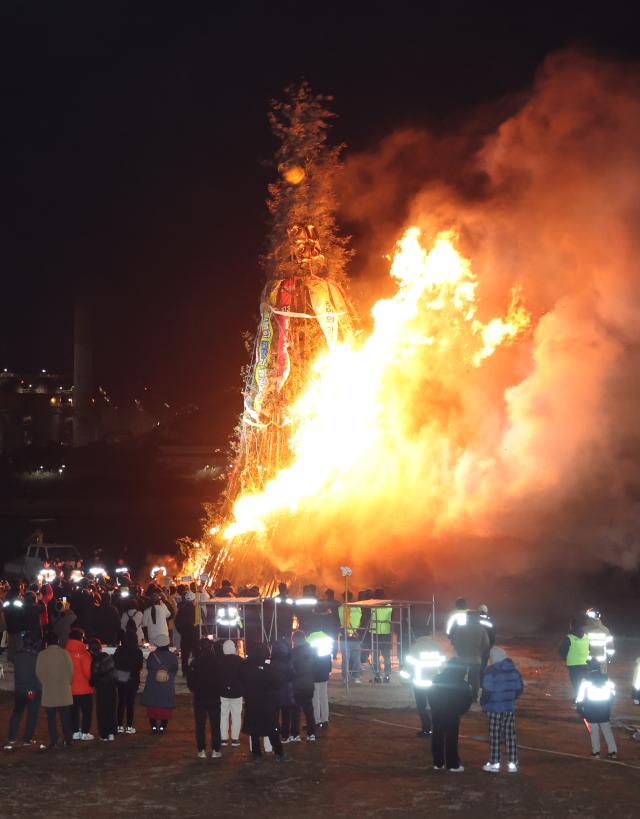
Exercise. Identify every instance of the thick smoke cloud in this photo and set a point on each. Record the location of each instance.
(549, 199)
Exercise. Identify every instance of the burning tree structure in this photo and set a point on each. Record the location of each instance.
(304, 309)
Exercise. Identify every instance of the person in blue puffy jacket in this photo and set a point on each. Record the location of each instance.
(501, 686)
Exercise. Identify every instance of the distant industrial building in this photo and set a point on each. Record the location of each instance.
(36, 410)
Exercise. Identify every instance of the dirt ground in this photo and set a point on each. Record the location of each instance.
(368, 763)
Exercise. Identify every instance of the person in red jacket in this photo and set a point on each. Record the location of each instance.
(80, 685)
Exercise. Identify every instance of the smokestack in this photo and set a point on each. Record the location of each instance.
(83, 412)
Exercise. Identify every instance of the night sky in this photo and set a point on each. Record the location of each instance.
(136, 154)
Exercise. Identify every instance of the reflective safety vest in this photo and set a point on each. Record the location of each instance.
(321, 643)
(422, 664)
(457, 618)
(228, 616)
(578, 653)
(485, 621)
(588, 692)
(381, 620)
(600, 642)
(353, 618)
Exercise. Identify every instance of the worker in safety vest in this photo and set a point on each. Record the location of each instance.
(458, 616)
(574, 650)
(600, 638)
(350, 619)
(228, 620)
(485, 620)
(380, 628)
(594, 704)
(635, 684)
(421, 664)
(322, 645)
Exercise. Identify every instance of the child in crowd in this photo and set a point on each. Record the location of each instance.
(501, 686)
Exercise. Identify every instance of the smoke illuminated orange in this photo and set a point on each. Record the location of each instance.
(359, 400)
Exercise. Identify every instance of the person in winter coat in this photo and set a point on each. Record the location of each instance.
(128, 660)
(231, 691)
(501, 686)
(202, 679)
(103, 679)
(155, 621)
(281, 664)
(185, 625)
(471, 642)
(63, 622)
(132, 614)
(54, 669)
(594, 705)
(159, 695)
(449, 697)
(302, 660)
(261, 682)
(27, 695)
(81, 687)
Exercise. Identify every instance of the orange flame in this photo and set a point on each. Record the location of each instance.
(349, 410)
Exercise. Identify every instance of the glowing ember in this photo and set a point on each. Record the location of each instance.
(352, 414)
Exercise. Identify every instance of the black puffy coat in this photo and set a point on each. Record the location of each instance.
(449, 696)
(128, 657)
(302, 658)
(106, 623)
(281, 663)
(103, 671)
(321, 668)
(202, 678)
(261, 683)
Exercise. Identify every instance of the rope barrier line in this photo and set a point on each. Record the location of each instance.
(523, 747)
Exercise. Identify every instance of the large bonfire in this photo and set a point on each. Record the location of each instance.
(330, 412)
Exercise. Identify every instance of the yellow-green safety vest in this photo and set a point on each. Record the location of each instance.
(578, 653)
(381, 620)
(354, 617)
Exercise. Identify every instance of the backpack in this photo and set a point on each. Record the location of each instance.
(162, 675)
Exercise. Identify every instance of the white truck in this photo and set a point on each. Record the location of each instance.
(31, 563)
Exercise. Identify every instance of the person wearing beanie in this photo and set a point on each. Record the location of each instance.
(159, 694)
(302, 660)
(231, 691)
(501, 686)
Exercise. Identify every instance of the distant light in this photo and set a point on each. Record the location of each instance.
(44, 371)
(60, 471)
(213, 530)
